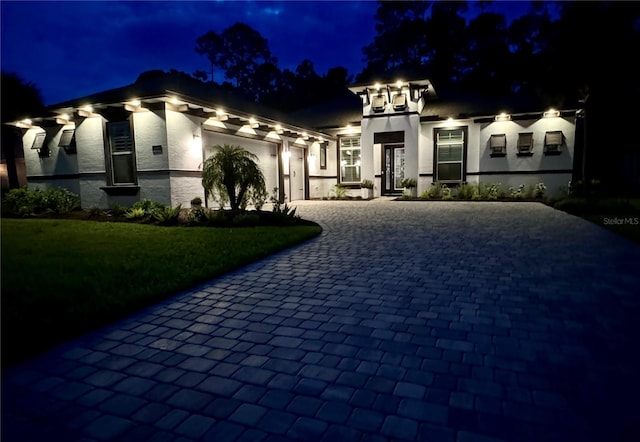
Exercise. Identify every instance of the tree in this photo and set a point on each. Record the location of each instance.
(232, 172)
(211, 45)
(20, 99)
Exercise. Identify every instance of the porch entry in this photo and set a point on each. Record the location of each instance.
(393, 160)
(392, 168)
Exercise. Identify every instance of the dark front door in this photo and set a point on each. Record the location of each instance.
(392, 168)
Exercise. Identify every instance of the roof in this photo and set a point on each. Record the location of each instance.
(341, 111)
(447, 103)
(207, 97)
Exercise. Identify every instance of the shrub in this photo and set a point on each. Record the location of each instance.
(135, 213)
(366, 184)
(148, 206)
(434, 191)
(118, 210)
(18, 202)
(538, 190)
(409, 183)
(246, 219)
(446, 193)
(94, 211)
(196, 201)
(24, 202)
(340, 191)
(467, 191)
(167, 216)
(490, 191)
(517, 192)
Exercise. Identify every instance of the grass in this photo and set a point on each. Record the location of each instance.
(62, 278)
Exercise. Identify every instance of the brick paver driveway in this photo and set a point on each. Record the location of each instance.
(417, 321)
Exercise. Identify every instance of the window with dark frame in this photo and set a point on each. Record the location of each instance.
(323, 156)
(350, 160)
(553, 141)
(525, 144)
(121, 153)
(498, 145)
(450, 155)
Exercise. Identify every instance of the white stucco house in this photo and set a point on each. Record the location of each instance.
(149, 140)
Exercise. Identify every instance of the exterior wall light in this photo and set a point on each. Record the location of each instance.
(221, 115)
(85, 111)
(62, 119)
(196, 142)
(551, 113)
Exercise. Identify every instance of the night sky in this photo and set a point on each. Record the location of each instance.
(72, 49)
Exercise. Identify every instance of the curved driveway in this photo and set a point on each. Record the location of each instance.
(403, 321)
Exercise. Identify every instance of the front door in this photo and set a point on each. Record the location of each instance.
(392, 168)
(296, 174)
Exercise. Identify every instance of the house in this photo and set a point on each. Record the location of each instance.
(149, 140)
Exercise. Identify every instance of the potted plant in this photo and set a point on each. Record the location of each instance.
(196, 203)
(366, 187)
(410, 187)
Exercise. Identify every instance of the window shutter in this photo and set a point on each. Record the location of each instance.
(498, 142)
(525, 141)
(66, 138)
(38, 141)
(553, 138)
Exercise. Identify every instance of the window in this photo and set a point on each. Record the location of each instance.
(378, 103)
(40, 146)
(38, 140)
(525, 144)
(553, 141)
(498, 144)
(121, 153)
(67, 141)
(350, 160)
(323, 156)
(450, 155)
(399, 102)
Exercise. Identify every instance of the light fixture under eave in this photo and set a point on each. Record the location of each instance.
(253, 123)
(85, 111)
(503, 117)
(221, 115)
(551, 113)
(24, 124)
(62, 119)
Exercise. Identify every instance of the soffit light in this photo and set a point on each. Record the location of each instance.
(221, 115)
(503, 117)
(551, 113)
(85, 111)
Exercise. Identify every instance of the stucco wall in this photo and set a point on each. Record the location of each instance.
(510, 170)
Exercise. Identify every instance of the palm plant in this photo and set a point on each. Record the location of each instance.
(232, 172)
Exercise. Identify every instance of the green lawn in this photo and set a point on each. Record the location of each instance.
(61, 278)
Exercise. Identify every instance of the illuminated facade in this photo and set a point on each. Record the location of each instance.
(143, 141)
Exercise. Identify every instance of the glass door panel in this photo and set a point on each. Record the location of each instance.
(398, 162)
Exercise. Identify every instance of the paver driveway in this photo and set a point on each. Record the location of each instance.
(418, 321)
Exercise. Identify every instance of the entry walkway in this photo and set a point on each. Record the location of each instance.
(404, 321)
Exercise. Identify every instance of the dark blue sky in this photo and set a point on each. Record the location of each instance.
(71, 49)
